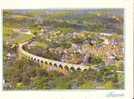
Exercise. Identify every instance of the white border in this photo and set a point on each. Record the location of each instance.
(76, 94)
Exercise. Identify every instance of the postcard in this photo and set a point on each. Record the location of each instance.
(61, 51)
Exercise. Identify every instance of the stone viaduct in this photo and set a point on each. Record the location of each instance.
(44, 61)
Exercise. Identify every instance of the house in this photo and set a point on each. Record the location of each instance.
(106, 42)
(23, 30)
(76, 47)
(110, 59)
(93, 42)
(105, 34)
(114, 42)
(74, 34)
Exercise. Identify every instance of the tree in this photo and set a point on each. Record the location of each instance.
(20, 86)
(108, 85)
(97, 60)
(87, 85)
(40, 83)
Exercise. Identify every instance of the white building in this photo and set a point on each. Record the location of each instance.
(23, 30)
(105, 34)
(106, 41)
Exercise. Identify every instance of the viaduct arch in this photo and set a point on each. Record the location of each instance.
(44, 61)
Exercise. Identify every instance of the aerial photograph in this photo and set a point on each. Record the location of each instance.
(56, 49)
